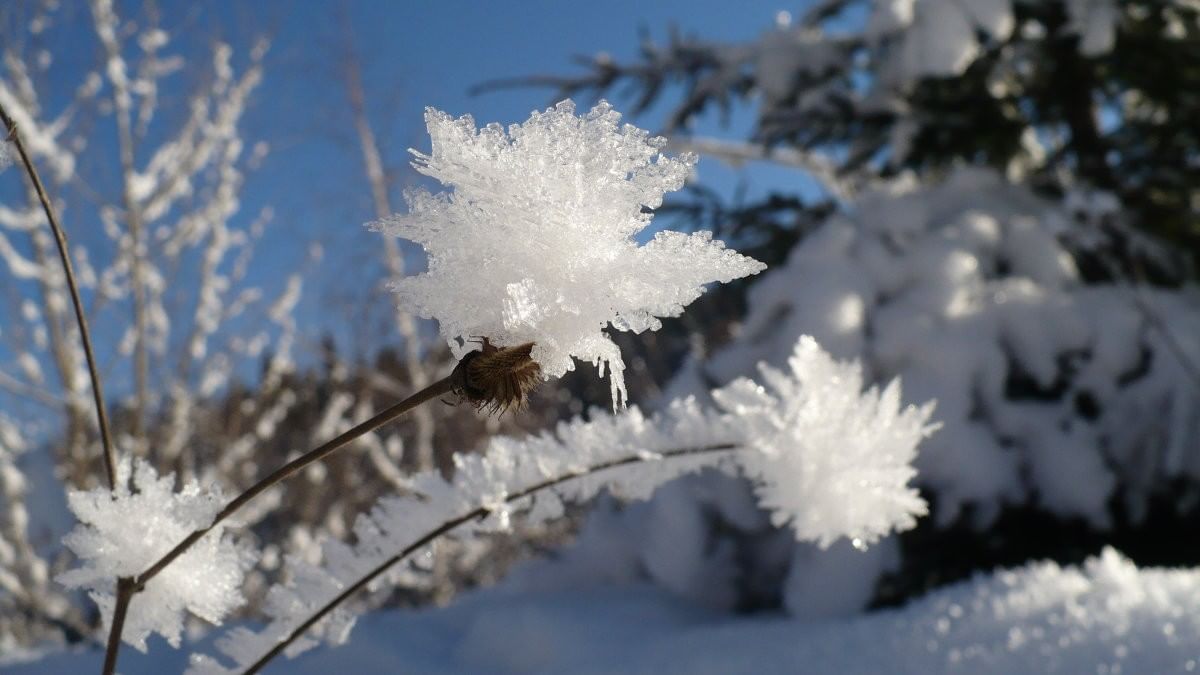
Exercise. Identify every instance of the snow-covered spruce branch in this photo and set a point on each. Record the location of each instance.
(737, 153)
(60, 239)
(827, 459)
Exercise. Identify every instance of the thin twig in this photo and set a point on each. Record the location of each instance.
(377, 178)
(120, 609)
(110, 460)
(29, 391)
(735, 153)
(127, 588)
(480, 512)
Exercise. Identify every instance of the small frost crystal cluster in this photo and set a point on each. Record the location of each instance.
(536, 242)
(123, 532)
(828, 459)
(831, 461)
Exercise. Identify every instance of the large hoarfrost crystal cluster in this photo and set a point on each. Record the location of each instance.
(536, 242)
(124, 531)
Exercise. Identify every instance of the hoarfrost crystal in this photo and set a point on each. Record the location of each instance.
(536, 242)
(832, 461)
(123, 532)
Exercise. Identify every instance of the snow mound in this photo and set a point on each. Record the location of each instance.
(1106, 616)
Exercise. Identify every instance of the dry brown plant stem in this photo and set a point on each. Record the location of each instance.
(60, 238)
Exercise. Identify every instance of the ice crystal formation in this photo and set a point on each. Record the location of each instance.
(537, 240)
(122, 532)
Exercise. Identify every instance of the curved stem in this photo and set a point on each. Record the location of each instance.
(127, 588)
(453, 523)
(60, 238)
(120, 609)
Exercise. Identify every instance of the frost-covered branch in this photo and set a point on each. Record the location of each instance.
(107, 29)
(193, 257)
(416, 367)
(827, 459)
(448, 527)
(129, 586)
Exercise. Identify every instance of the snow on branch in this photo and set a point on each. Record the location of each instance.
(737, 153)
(828, 459)
(536, 242)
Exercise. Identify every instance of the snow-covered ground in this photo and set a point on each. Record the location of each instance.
(1106, 616)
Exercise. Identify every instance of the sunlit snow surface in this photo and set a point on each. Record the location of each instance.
(1105, 616)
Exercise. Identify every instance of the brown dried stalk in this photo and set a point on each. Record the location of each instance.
(60, 238)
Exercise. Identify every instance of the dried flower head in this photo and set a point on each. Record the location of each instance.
(497, 378)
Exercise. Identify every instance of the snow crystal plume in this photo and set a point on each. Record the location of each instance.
(829, 460)
(124, 531)
(536, 242)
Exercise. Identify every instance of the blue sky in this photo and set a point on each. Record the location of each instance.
(413, 55)
(419, 54)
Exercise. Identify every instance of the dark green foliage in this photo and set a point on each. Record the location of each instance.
(1126, 121)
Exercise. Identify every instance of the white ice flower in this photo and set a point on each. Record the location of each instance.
(829, 460)
(537, 240)
(122, 532)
